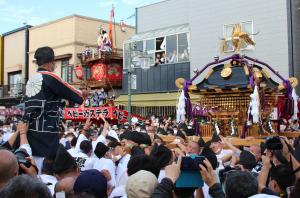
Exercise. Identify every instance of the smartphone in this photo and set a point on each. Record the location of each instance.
(191, 163)
(190, 176)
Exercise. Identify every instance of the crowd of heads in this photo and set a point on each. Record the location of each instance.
(146, 160)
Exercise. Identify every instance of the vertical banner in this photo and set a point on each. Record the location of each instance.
(112, 16)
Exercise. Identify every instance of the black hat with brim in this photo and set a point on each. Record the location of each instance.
(137, 137)
(63, 161)
(100, 150)
(247, 159)
(44, 55)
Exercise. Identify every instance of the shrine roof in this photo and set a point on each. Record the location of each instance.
(237, 79)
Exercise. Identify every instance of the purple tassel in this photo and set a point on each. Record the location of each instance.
(197, 127)
(245, 129)
(251, 78)
(262, 100)
(288, 107)
(188, 105)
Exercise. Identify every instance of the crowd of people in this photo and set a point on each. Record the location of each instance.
(134, 161)
(42, 156)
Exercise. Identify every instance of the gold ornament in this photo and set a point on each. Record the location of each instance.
(238, 38)
(293, 81)
(226, 72)
(179, 83)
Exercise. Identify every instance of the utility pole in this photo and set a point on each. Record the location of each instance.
(129, 85)
(26, 68)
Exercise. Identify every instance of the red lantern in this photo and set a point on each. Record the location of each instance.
(79, 72)
(98, 71)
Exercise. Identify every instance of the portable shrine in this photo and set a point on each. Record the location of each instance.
(238, 96)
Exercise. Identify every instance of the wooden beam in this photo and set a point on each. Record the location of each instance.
(234, 140)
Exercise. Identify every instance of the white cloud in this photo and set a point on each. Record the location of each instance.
(139, 3)
(131, 2)
(3, 2)
(107, 3)
(18, 15)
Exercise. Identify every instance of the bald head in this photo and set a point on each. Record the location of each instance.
(65, 185)
(8, 166)
(256, 151)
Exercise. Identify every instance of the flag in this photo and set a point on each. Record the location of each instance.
(112, 15)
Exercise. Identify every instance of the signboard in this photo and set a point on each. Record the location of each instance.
(110, 113)
(133, 81)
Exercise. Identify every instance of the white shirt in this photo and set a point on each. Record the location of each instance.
(121, 172)
(73, 152)
(6, 136)
(50, 181)
(84, 161)
(63, 141)
(220, 155)
(81, 138)
(106, 164)
(118, 192)
(100, 138)
(162, 174)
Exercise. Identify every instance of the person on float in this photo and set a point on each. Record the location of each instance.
(43, 99)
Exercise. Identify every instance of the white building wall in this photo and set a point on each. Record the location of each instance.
(206, 20)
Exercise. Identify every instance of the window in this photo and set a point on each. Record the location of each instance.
(15, 83)
(87, 72)
(136, 51)
(227, 31)
(160, 43)
(183, 48)
(160, 50)
(150, 50)
(14, 78)
(171, 49)
(66, 71)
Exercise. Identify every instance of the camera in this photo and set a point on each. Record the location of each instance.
(21, 155)
(273, 143)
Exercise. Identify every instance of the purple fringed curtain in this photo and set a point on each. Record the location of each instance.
(289, 104)
(188, 106)
(245, 130)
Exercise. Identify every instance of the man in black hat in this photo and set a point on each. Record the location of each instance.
(64, 164)
(43, 100)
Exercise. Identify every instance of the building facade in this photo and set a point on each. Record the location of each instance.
(14, 65)
(69, 37)
(191, 31)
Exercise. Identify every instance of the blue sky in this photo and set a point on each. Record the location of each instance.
(13, 13)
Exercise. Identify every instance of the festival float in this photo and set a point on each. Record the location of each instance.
(105, 64)
(239, 96)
